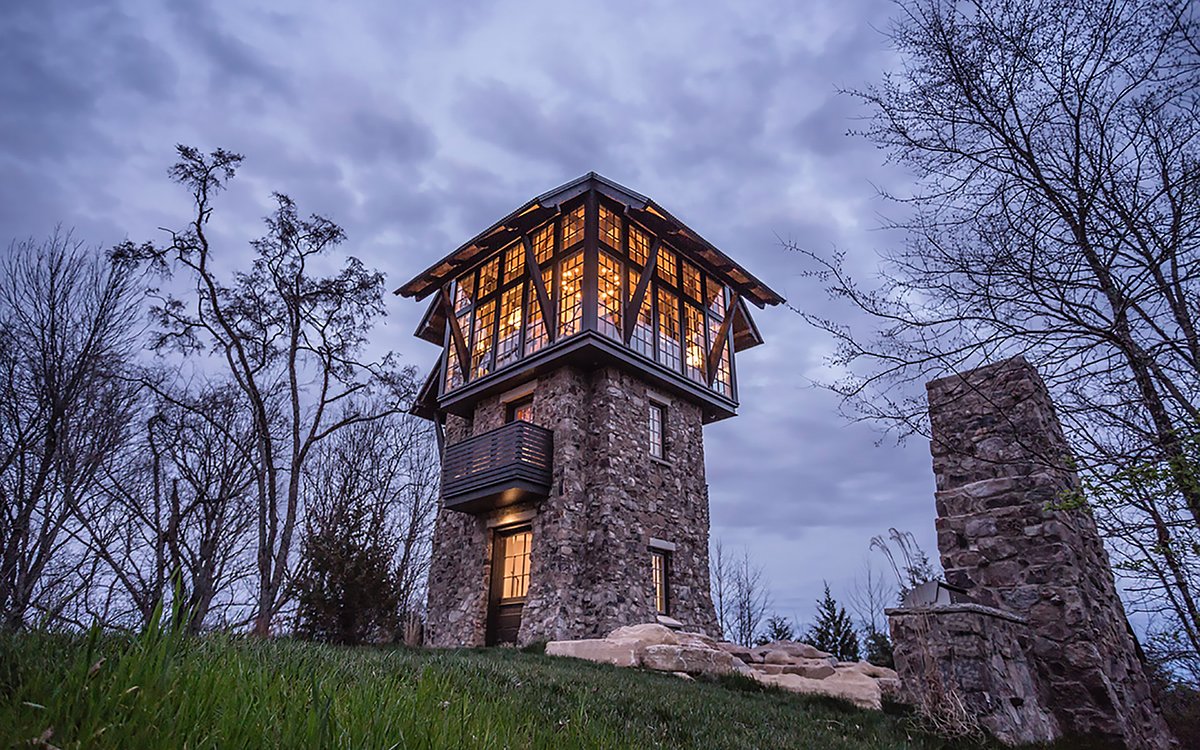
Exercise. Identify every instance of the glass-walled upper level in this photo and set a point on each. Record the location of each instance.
(625, 284)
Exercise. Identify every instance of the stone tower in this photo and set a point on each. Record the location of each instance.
(1002, 464)
(586, 339)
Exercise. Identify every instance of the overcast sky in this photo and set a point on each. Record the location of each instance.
(415, 125)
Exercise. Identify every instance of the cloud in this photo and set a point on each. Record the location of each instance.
(417, 125)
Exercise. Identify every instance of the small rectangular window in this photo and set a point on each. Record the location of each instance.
(514, 262)
(660, 567)
(666, 266)
(658, 421)
(691, 281)
(520, 410)
(639, 246)
(488, 276)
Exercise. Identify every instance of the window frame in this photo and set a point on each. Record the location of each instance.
(656, 415)
(660, 579)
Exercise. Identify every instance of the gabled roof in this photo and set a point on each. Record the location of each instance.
(638, 206)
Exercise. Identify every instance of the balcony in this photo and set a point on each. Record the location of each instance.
(508, 465)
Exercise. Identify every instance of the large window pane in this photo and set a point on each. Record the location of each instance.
(639, 246)
(716, 296)
(488, 277)
(691, 281)
(694, 362)
(609, 296)
(536, 335)
(543, 243)
(610, 228)
(723, 382)
(464, 292)
(454, 375)
(642, 340)
(666, 266)
(573, 227)
(508, 342)
(481, 348)
(514, 261)
(570, 305)
(668, 330)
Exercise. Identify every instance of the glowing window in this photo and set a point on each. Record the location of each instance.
(488, 277)
(642, 340)
(666, 266)
(454, 373)
(716, 297)
(514, 262)
(570, 303)
(610, 228)
(639, 246)
(543, 243)
(573, 227)
(514, 577)
(691, 281)
(464, 292)
(508, 342)
(668, 330)
(723, 382)
(481, 348)
(609, 296)
(658, 421)
(536, 335)
(696, 356)
(660, 566)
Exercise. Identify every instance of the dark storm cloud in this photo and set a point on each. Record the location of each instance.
(416, 126)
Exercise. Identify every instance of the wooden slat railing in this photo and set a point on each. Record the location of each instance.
(519, 454)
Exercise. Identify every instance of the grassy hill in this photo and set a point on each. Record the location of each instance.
(220, 692)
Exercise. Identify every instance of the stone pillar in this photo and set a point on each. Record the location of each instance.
(1002, 464)
(971, 659)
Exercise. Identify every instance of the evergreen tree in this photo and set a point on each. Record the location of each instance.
(833, 630)
(778, 629)
(879, 649)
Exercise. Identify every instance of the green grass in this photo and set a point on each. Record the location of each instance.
(162, 691)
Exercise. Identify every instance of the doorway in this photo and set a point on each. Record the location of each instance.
(510, 583)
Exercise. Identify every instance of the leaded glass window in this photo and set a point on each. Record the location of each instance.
(691, 281)
(536, 335)
(695, 356)
(488, 277)
(464, 292)
(716, 296)
(610, 228)
(573, 227)
(639, 246)
(570, 303)
(608, 314)
(668, 330)
(543, 243)
(723, 382)
(642, 340)
(481, 348)
(508, 342)
(666, 266)
(514, 262)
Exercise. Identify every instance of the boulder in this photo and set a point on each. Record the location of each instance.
(777, 657)
(817, 669)
(851, 686)
(795, 648)
(736, 649)
(648, 634)
(869, 669)
(690, 659)
(618, 653)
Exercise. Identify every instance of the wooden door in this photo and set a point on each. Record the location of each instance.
(510, 583)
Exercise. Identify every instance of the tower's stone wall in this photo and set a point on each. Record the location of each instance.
(1002, 467)
(590, 563)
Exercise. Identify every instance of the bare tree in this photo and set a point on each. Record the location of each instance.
(871, 595)
(1057, 216)
(293, 342)
(172, 520)
(67, 332)
(740, 594)
(908, 561)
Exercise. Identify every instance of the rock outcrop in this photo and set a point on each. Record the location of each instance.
(795, 667)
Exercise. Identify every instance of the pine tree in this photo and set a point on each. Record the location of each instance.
(778, 629)
(833, 630)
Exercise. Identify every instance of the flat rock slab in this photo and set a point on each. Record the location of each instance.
(690, 659)
(617, 653)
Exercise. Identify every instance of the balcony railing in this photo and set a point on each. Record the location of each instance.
(508, 465)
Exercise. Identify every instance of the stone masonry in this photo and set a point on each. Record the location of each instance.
(590, 564)
(972, 659)
(1002, 466)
